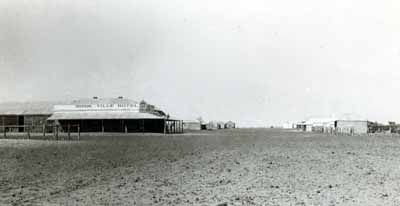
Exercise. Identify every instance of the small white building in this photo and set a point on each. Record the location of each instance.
(351, 126)
(191, 125)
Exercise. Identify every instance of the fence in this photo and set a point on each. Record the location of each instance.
(55, 132)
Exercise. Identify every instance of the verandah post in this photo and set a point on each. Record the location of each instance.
(56, 132)
(102, 126)
(29, 132)
(79, 132)
(69, 131)
(44, 130)
(143, 126)
(165, 125)
(4, 127)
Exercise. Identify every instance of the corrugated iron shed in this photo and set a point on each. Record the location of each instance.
(28, 108)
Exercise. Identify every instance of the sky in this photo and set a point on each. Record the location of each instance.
(257, 62)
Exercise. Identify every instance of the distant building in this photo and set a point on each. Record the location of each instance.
(316, 125)
(191, 125)
(203, 126)
(17, 114)
(351, 126)
(221, 125)
(230, 125)
(212, 125)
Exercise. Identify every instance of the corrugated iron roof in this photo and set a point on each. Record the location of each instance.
(26, 108)
(102, 115)
(104, 101)
(46, 107)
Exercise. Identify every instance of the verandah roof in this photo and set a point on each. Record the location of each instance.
(81, 115)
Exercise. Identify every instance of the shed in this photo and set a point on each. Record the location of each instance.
(191, 125)
(352, 126)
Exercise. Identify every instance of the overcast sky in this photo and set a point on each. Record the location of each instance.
(257, 62)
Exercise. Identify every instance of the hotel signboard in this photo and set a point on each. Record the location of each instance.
(98, 107)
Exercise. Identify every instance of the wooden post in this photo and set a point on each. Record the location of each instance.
(126, 129)
(29, 132)
(79, 132)
(4, 127)
(143, 126)
(165, 126)
(69, 131)
(56, 132)
(44, 130)
(102, 126)
(5, 131)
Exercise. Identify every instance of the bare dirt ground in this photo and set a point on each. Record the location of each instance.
(236, 167)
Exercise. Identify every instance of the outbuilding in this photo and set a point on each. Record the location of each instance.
(191, 125)
(351, 126)
(230, 125)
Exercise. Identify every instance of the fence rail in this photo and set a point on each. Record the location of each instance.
(55, 131)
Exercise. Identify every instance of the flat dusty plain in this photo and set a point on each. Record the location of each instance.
(236, 167)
